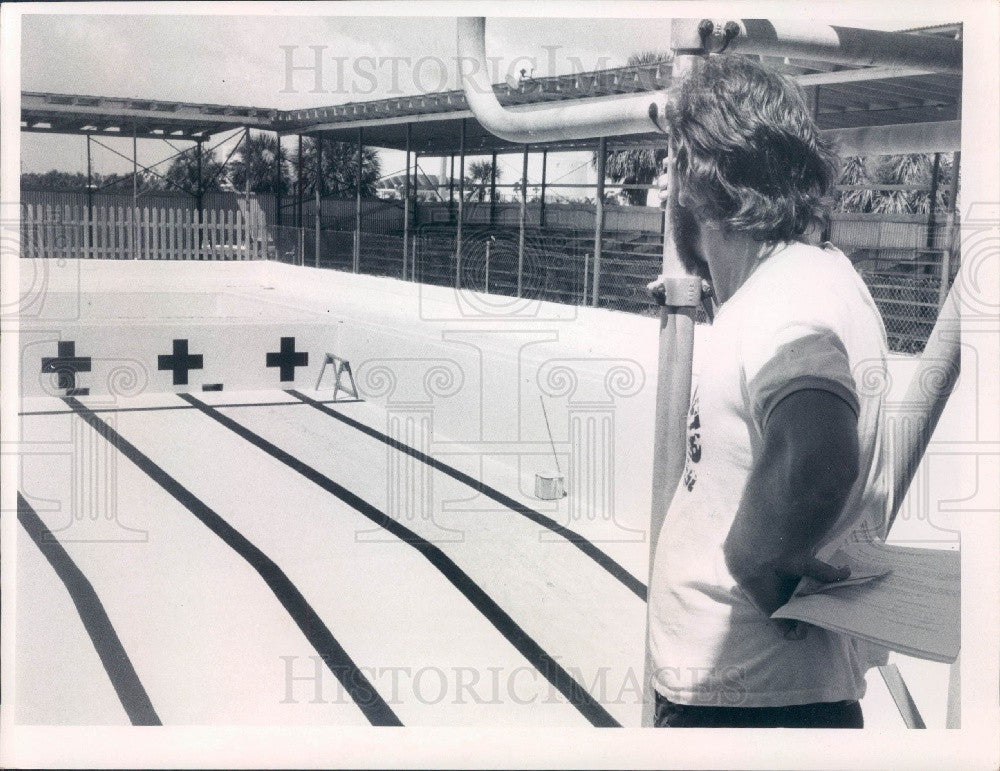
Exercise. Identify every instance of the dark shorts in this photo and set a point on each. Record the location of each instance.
(824, 714)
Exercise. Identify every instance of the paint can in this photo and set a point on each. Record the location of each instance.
(549, 487)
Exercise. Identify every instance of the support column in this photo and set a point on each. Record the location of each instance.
(522, 216)
(199, 198)
(415, 188)
(493, 190)
(277, 181)
(931, 224)
(406, 203)
(357, 202)
(451, 189)
(318, 185)
(946, 258)
(461, 206)
(90, 204)
(246, 180)
(300, 192)
(135, 194)
(673, 398)
(541, 206)
(602, 156)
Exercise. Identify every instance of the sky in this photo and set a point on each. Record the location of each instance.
(244, 60)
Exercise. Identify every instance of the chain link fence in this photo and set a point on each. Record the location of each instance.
(903, 262)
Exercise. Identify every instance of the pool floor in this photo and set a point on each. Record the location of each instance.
(236, 564)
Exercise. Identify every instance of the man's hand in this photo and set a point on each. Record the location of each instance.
(776, 582)
(794, 494)
(656, 290)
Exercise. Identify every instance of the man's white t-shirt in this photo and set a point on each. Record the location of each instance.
(803, 319)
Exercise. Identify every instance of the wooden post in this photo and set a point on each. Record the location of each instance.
(461, 206)
(357, 203)
(541, 206)
(522, 217)
(318, 185)
(602, 156)
(406, 201)
(199, 200)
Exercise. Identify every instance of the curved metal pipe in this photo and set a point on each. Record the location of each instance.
(807, 39)
(610, 116)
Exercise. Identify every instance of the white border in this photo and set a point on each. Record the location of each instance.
(973, 746)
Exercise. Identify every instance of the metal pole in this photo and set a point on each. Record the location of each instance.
(451, 190)
(602, 155)
(90, 204)
(415, 189)
(461, 206)
(522, 216)
(135, 193)
(956, 160)
(406, 202)
(318, 185)
(806, 38)
(277, 181)
(357, 203)
(541, 206)
(246, 176)
(493, 190)
(199, 198)
(673, 396)
(487, 266)
(301, 189)
(931, 224)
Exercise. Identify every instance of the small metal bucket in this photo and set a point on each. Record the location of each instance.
(549, 487)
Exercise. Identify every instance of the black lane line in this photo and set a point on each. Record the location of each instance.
(108, 645)
(630, 582)
(98, 410)
(576, 694)
(320, 637)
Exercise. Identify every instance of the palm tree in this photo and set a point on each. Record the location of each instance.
(477, 180)
(340, 169)
(183, 172)
(636, 167)
(911, 169)
(256, 157)
(854, 172)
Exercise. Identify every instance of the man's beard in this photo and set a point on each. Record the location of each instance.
(687, 239)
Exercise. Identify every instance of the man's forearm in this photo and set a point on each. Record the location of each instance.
(793, 497)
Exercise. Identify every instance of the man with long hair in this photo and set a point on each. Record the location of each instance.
(783, 448)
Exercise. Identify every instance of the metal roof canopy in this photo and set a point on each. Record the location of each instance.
(843, 98)
(149, 118)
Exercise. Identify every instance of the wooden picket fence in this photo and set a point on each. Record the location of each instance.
(124, 233)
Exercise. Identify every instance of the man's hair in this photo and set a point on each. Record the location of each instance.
(748, 153)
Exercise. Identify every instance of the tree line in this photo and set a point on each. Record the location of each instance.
(254, 160)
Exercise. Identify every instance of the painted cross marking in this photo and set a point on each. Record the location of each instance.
(180, 362)
(66, 364)
(287, 359)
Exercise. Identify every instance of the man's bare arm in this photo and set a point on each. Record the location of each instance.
(793, 496)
